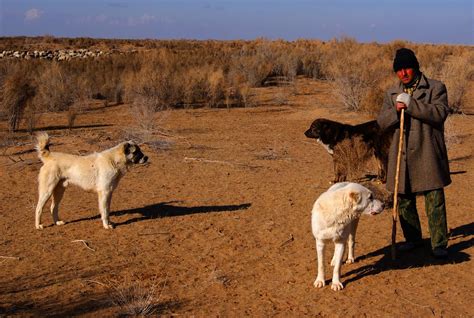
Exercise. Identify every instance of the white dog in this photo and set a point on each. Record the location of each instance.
(334, 218)
(99, 172)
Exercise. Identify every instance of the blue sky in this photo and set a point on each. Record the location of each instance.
(423, 21)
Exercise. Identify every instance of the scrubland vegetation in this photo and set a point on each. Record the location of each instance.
(154, 75)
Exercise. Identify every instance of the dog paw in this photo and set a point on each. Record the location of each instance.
(318, 283)
(60, 223)
(109, 226)
(337, 286)
(39, 226)
(350, 260)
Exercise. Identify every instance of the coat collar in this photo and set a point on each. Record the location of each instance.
(398, 89)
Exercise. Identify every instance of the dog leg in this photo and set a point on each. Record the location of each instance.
(351, 242)
(57, 196)
(340, 170)
(105, 198)
(338, 253)
(319, 282)
(43, 197)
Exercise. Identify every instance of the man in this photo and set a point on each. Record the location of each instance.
(424, 165)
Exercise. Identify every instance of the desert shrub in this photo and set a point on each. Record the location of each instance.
(455, 75)
(311, 65)
(433, 57)
(18, 89)
(216, 89)
(115, 69)
(245, 96)
(56, 88)
(104, 77)
(281, 97)
(163, 74)
(136, 296)
(390, 48)
(451, 133)
(194, 87)
(246, 66)
(152, 89)
(155, 84)
(355, 72)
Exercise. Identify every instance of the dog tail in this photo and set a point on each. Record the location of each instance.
(42, 144)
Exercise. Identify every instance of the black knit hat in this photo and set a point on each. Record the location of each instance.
(405, 58)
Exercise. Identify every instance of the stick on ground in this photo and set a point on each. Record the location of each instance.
(86, 244)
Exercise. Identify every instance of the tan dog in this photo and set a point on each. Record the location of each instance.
(334, 218)
(99, 172)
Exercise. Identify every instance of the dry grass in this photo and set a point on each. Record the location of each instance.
(451, 134)
(18, 90)
(455, 74)
(176, 74)
(136, 296)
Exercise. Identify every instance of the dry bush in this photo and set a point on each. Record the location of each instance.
(113, 70)
(103, 77)
(194, 86)
(245, 95)
(451, 134)
(310, 58)
(356, 70)
(143, 113)
(247, 66)
(150, 90)
(391, 47)
(167, 74)
(135, 296)
(281, 97)
(77, 108)
(154, 85)
(18, 90)
(56, 88)
(216, 89)
(432, 58)
(455, 75)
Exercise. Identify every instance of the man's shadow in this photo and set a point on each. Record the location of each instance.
(167, 209)
(419, 257)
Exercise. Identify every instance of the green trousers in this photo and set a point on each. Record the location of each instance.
(436, 212)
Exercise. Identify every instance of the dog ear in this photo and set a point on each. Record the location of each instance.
(128, 148)
(356, 197)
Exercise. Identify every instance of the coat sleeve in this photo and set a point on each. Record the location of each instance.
(433, 113)
(388, 114)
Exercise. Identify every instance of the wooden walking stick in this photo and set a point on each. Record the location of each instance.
(395, 191)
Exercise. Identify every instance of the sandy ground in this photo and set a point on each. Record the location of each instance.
(218, 223)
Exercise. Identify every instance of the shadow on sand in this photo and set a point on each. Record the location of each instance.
(420, 257)
(65, 127)
(86, 305)
(167, 209)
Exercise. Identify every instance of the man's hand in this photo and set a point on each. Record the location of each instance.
(400, 106)
(403, 100)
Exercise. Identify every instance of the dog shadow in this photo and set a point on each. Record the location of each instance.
(167, 209)
(420, 257)
(65, 127)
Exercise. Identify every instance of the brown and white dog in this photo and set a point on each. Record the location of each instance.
(351, 146)
(334, 218)
(99, 172)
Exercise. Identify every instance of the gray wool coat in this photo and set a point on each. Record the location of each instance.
(424, 162)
